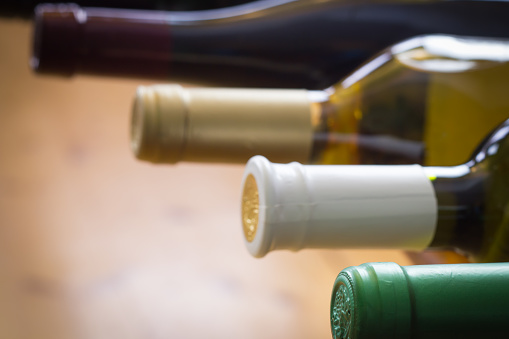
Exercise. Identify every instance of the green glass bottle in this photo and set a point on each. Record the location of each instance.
(385, 300)
(464, 207)
(428, 100)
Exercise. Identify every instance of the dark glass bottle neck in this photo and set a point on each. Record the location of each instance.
(460, 194)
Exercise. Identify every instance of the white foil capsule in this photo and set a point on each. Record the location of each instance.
(336, 206)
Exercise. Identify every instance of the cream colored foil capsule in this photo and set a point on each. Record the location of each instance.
(172, 124)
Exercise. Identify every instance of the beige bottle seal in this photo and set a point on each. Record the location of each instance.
(172, 124)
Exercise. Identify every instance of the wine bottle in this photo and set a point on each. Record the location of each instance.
(411, 207)
(270, 44)
(428, 100)
(385, 300)
(25, 8)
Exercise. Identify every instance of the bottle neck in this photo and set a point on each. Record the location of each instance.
(459, 191)
(200, 47)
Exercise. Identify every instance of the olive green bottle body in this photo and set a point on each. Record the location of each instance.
(385, 300)
(429, 100)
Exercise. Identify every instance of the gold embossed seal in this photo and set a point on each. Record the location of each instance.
(250, 208)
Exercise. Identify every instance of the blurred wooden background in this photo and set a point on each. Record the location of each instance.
(96, 245)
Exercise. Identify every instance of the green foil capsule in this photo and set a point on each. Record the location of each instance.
(385, 300)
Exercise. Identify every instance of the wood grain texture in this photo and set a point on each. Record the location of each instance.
(96, 245)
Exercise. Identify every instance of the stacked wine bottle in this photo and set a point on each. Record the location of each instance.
(393, 118)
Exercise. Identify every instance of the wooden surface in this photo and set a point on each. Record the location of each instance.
(94, 244)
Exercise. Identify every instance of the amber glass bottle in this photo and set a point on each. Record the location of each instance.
(427, 100)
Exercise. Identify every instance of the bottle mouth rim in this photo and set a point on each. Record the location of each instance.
(158, 130)
(370, 299)
(257, 234)
(342, 308)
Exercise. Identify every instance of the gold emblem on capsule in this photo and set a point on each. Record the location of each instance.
(250, 208)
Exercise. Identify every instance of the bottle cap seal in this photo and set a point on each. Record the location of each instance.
(336, 206)
(371, 301)
(56, 38)
(69, 39)
(172, 124)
